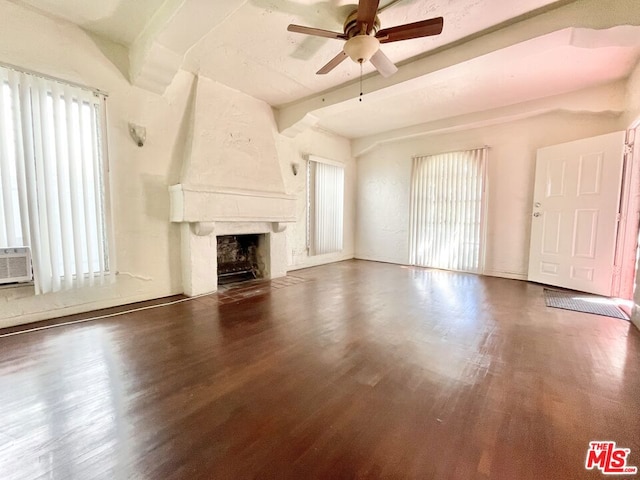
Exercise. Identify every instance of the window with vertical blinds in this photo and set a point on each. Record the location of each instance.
(52, 177)
(326, 207)
(447, 194)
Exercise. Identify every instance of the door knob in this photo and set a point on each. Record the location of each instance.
(536, 214)
(537, 204)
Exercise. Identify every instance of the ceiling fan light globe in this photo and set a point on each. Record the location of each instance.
(361, 47)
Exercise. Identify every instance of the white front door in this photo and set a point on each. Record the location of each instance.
(576, 201)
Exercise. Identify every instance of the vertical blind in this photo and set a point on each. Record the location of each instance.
(447, 193)
(51, 172)
(326, 206)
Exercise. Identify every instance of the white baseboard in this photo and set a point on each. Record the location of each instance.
(510, 275)
(382, 260)
(78, 308)
(316, 261)
(489, 273)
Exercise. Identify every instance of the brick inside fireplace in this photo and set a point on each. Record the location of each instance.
(240, 257)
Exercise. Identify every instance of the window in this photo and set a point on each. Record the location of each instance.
(52, 175)
(326, 204)
(447, 194)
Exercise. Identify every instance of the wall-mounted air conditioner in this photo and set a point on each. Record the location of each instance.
(15, 265)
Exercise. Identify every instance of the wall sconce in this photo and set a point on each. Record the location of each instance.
(138, 133)
(294, 168)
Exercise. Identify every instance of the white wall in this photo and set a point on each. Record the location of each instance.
(332, 147)
(145, 241)
(382, 228)
(384, 182)
(632, 118)
(233, 141)
(635, 316)
(147, 245)
(633, 97)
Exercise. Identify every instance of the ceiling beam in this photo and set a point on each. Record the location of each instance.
(157, 54)
(607, 99)
(596, 14)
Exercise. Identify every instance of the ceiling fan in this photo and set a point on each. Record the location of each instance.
(362, 36)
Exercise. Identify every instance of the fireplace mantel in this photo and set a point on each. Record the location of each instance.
(199, 203)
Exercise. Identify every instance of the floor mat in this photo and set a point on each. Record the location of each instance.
(583, 302)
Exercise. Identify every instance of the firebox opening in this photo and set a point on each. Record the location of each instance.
(239, 258)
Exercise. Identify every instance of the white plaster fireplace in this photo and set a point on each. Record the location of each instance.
(206, 215)
(231, 185)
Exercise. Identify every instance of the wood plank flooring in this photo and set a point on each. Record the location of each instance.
(358, 370)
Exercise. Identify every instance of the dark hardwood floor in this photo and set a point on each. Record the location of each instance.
(355, 370)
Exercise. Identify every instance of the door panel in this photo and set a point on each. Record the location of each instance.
(575, 214)
(552, 222)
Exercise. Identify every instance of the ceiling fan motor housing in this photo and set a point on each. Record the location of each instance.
(351, 25)
(363, 36)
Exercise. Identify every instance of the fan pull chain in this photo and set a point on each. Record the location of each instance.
(361, 81)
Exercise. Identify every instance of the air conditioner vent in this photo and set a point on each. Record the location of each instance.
(15, 265)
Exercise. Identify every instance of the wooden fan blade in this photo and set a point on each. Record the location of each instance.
(425, 28)
(367, 10)
(383, 64)
(333, 63)
(318, 32)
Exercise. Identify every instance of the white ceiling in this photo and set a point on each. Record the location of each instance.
(251, 50)
(119, 20)
(539, 68)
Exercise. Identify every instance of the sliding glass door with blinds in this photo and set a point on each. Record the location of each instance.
(325, 188)
(52, 173)
(447, 210)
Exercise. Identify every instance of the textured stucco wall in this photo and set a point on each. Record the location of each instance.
(147, 245)
(385, 174)
(145, 240)
(332, 147)
(633, 119)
